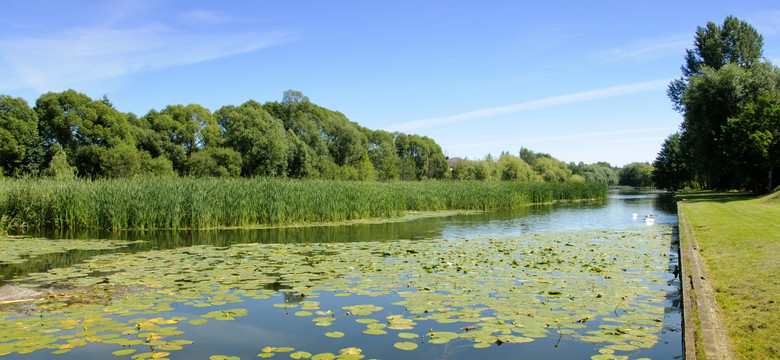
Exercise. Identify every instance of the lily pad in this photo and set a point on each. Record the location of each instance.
(405, 345)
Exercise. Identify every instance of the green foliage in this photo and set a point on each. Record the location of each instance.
(383, 155)
(734, 42)
(637, 174)
(171, 203)
(123, 160)
(292, 138)
(473, 170)
(18, 134)
(259, 137)
(215, 161)
(724, 76)
(599, 172)
(158, 166)
(59, 169)
(551, 169)
(756, 138)
(670, 168)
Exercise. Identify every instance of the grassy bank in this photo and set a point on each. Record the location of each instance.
(739, 240)
(199, 203)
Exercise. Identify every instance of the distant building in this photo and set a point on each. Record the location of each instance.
(453, 161)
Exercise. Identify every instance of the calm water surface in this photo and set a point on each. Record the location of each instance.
(246, 335)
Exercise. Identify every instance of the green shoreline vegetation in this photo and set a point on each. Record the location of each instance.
(739, 239)
(205, 203)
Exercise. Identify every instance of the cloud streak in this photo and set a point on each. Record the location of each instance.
(532, 105)
(599, 134)
(648, 49)
(89, 54)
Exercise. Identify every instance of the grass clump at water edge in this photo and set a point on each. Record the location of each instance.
(202, 203)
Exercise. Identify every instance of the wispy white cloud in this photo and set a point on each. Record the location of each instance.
(208, 17)
(648, 49)
(612, 134)
(535, 104)
(89, 54)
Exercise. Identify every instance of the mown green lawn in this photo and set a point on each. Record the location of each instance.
(739, 239)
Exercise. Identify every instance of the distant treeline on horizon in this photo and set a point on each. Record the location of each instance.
(68, 134)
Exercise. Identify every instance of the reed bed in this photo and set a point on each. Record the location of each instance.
(203, 203)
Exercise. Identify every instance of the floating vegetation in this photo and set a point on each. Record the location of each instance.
(18, 249)
(598, 287)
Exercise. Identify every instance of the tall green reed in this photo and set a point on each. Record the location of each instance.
(201, 203)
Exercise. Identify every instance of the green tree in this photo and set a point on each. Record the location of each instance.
(551, 170)
(721, 75)
(670, 168)
(513, 168)
(365, 169)
(637, 174)
(20, 146)
(259, 137)
(756, 135)
(383, 154)
(215, 161)
(601, 172)
(179, 131)
(712, 98)
(734, 42)
(84, 128)
(121, 161)
(59, 168)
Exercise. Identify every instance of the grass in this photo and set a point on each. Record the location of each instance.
(206, 203)
(739, 239)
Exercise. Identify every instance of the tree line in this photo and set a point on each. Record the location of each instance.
(533, 166)
(68, 134)
(729, 96)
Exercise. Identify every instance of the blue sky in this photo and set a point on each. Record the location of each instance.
(583, 81)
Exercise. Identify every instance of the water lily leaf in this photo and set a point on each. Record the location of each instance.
(334, 334)
(405, 345)
(323, 356)
(374, 332)
(300, 355)
(123, 352)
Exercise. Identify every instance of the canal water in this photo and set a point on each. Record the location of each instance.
(612, 214)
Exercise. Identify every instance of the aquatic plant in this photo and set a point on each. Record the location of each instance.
(599, 287)
(202, 203)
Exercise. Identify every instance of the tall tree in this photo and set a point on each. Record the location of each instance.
(756, 136)
(87, 130)
(19, 141)
(513, 168)
(382, 152)
(259, 137)
(637, 174)
(734, 42)
(721, 75)
(670, 168)
(181, 131)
